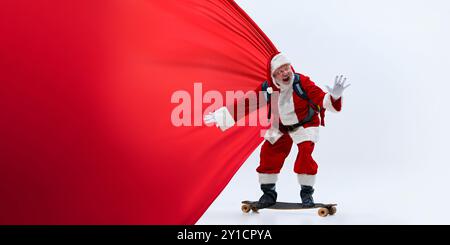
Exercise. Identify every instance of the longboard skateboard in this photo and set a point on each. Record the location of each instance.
(324, 209)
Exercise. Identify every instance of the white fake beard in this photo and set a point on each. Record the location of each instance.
(283, 85)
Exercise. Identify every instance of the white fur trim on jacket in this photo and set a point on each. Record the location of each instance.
(224, 118)
(327, 103)
(302, 134)
(267, 178)
(272, 135)
(306, 179)
(298, 136)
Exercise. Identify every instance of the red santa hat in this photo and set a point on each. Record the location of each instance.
(276, 62)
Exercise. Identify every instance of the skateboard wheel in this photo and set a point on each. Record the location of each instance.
(323, 212)
(245, 208)
(254, 209)
(332, 210)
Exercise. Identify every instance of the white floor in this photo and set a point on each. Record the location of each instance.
(363, 197)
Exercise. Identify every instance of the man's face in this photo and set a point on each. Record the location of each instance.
(283, 73)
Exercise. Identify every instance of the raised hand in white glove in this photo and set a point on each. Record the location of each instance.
(338, 88)
(221, 117)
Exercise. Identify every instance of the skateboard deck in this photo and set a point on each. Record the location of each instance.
(324, 209)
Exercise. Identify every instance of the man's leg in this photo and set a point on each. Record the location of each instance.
(271, 161)
(306, 169)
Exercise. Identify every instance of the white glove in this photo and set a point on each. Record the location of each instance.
(210, 118)
(221, 117)
(338, 88)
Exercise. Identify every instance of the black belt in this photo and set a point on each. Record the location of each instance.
(290, 128)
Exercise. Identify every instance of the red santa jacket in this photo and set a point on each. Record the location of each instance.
(301, 106)
(294, 112)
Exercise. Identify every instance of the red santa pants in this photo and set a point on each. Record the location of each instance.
(272, 156)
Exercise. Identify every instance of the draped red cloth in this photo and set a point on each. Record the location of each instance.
(86, 130)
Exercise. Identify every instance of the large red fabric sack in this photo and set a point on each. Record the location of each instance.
(86, 107)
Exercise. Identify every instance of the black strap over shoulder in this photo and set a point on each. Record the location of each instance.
(298, 88)
(264, 87)
(302, 94)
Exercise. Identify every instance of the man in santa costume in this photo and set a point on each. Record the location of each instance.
(300, 112)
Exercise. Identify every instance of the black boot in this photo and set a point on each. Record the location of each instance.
(269, 197)
(306, 195)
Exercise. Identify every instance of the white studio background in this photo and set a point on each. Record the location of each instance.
(384, 158)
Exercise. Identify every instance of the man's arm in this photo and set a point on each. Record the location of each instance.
(226, 116)
(331, 101)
